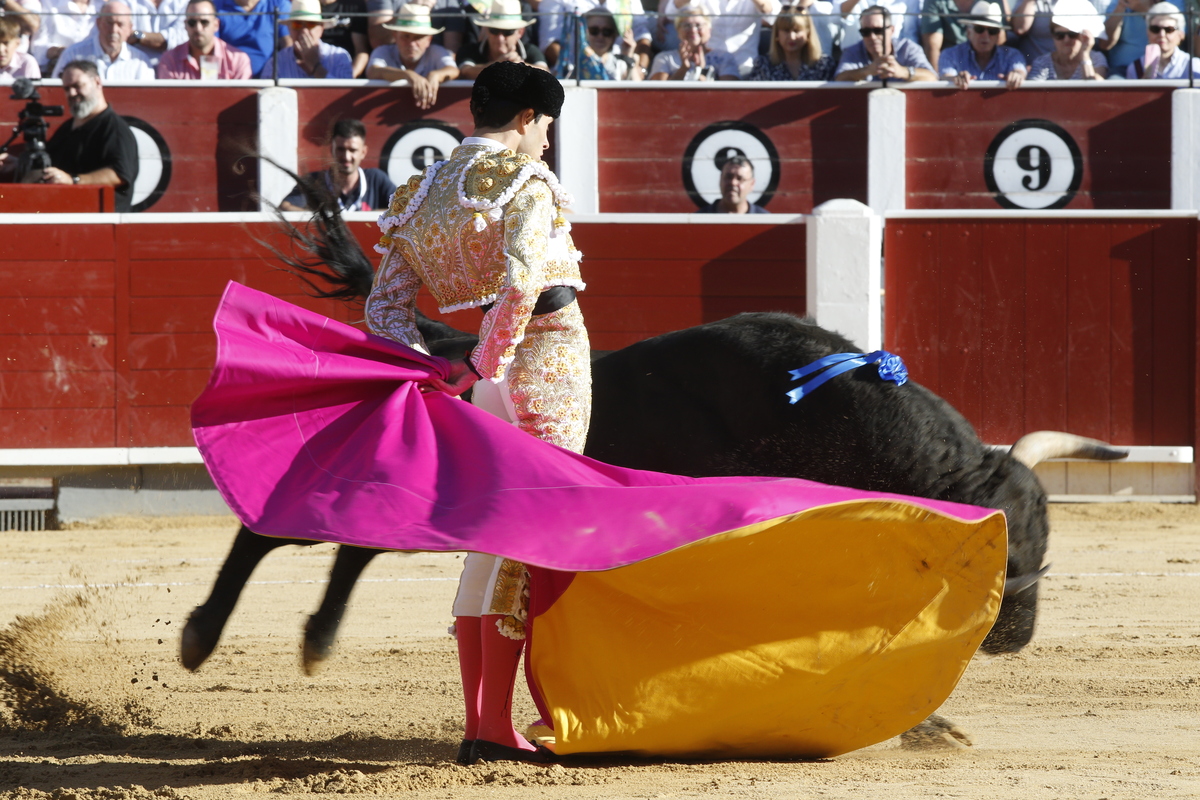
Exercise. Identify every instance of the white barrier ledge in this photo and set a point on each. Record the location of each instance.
(1138, 454)
(98, 456)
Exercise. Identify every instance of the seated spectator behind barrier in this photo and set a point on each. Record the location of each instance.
(449, 15)
(114, 59)
(95, 147)
(249, 25)
(852, 10)
(601, 30)
(309, 57)
(795, 53)
(735, 25)
(346, 27)
(205, 56)
(737, 182)
(413, 57)
(980, 57)
(943, 25)
(1073, 57)
(14, 65)
(880, 57)
(1031, 23)
(157, 27)
(27, 15)
(827, 22)
(1126, 28)
(504, 28)
(354, 187)
(1166, 28)
(555, 27)
(694, 60)
(64, 23)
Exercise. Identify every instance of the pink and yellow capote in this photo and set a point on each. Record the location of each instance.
(735, 617)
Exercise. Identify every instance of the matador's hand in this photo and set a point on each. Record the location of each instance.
(461, 378)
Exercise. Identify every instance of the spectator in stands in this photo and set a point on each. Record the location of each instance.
(943, 25)
(115, 60)
(354, 187)
(981, 57)
(632, 23)
(881, 57)
(1031, 22)
(601, 30)
(827, 22)
(1073, 57)
(1127, 33)
(737, 182)
(694, 60)
(204, 56)
(414, 57)
(852, 11)
(26, 14)
(736, 25)
(449, 15)
(346, 27)
(309, 57)
(157, 27)
(64, 23)
(1166, 27)
(249, 25)
(95, 147)
(795, 53)
(13, 64)
(504, 28)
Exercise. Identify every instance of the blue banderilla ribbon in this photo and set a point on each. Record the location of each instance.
(891, 368)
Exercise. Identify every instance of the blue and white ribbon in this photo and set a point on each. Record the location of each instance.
(891, 368)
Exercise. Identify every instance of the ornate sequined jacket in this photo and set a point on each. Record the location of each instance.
(483, 227)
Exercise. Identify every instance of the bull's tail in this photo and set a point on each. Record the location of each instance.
(324, 249)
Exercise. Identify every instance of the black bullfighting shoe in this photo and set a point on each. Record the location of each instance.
(490, 751)
(464, 753)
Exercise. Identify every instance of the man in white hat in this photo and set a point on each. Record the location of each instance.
(981, 56)
(503, 28)
(309, 57)
(413, 56)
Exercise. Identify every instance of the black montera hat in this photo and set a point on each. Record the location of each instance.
(520, 84)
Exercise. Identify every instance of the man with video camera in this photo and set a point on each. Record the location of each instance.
(95, 147)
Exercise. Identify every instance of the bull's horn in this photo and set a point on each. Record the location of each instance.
(1041, 445)
(1020, 583)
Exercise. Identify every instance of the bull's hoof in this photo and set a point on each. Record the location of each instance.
(318, 644)
(935, 733)
(197, 641)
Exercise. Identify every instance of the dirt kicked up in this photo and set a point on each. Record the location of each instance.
(95, 706)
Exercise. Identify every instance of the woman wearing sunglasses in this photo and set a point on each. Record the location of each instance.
(601, 30)
(795, 53)
(1166, 27)
(1126, 27)
(1072, 58)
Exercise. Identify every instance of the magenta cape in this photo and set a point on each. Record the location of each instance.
(314, 429)
(737, 617)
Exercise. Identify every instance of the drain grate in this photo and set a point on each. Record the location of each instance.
(27, 504)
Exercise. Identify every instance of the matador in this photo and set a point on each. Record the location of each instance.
(485, 229)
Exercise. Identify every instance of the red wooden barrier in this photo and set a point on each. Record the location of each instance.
(1082, 325)
(108, 336)
(820, 136)
(1123, 137)
(22, 198)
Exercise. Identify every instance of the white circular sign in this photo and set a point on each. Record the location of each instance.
(1033, 164)
(154, 165)
(414, 147)
(713, 146)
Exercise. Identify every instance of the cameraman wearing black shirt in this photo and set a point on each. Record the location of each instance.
(96, 147)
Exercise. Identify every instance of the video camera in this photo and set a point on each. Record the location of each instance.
(32, 124)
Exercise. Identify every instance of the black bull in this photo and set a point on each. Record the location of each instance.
(711, 400)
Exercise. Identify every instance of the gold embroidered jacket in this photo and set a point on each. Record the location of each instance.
(485, 226)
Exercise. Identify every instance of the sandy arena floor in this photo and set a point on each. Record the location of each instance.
(1104, 704)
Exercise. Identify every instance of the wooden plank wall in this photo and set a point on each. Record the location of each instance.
(1087, 326)
(821, 136)
(107, 328)
(1124, 138)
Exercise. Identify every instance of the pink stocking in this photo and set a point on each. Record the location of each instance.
(470, 667)
(501, 657)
